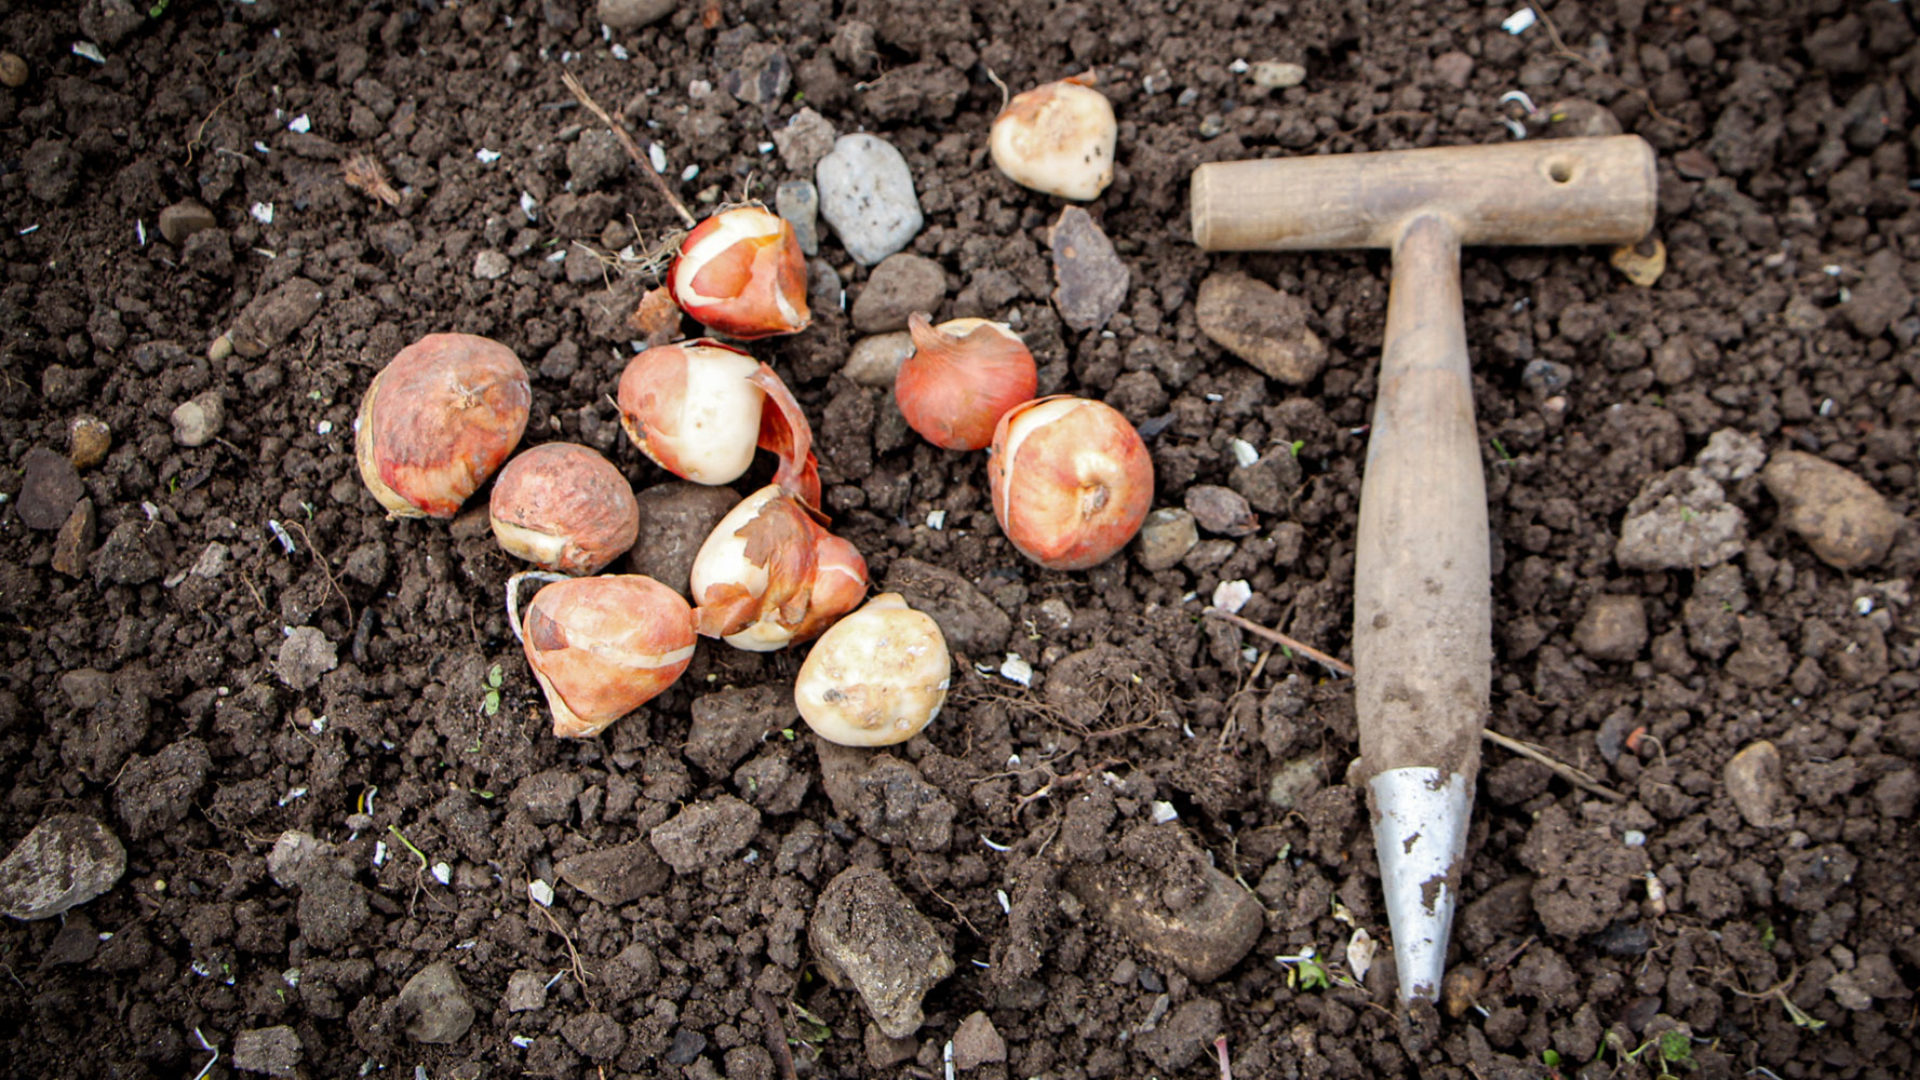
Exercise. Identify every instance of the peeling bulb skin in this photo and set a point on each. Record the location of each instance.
(1058, 139)
(877, 678)
(601, 647)
(963, 376)
(741, 273)
(564, 508)
(700, 408)
(438, 420)
(1071, 481)
(770, 576)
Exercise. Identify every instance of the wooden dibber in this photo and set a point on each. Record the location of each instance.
(1423, 611)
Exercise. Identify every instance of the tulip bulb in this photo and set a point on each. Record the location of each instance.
(963, 375)
(741, 273)
(1071, 481)
(876, 677)
(769, 575)
(1057, 139)
(563, 507)
(601, 647)
(438, 420)
(699, 408)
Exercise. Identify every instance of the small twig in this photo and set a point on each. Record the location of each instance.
(1331, 663)
(1005, 95)
(325, 569)
(579, 971)
(194, 144)
(1576, 777)
(774, 1031)
(633, 148)
(1560, 48)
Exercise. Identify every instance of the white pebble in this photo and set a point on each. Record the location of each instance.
(1164, 812)
(1864, 605)
(1244, 453)
(486, 156)
(541, 892)
(657, 157)
(1519, 22)
(324, 427)
(90, 51)
(379, 853)
(1231, 596)
(301, 124)
(689, 173)
(443, 873)
(529, 207)
(1014, 669)
(1238, 67)
(262, 212)
(937, 520)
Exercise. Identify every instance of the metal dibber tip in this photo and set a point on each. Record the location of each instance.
(1420, 833)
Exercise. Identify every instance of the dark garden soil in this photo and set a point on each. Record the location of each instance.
(173, 671)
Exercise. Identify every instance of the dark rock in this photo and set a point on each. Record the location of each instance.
(762, 78)
(1092, 281)
(633, 14)
(886, 797)
(53, 170)
(976, 1043)
(676, 518)
(867, 934)
(75, 540)
(687, 1045)
(971, 623)
(1841, 517)
(615, 875)
(595, 159)
(49, 489)
(1261, 325)
(433, 1005)
(1221, 511)
(727, 725)
(705, 833)
(273, 317)
(108, 23)
(1613, 628)
(155, 793)
(183, 219)
(595, 1036)
(1164, 895)
(902, 284)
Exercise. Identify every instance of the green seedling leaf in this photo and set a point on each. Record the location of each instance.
(1676, 1048)
(1550, 1057)
(1296, 446)
(812, 1029)
(491, 703)
(494, 678)
(1799, 1016)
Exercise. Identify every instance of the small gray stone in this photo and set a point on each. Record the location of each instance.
(1841, 517)
(125, 558)
(272, 318)
(1755, 780)
(615, 875)
(1681, 520)
(876, 360)
(1166, 537)
(595, 159)
(296, 857)
(806, 139)
(1613, 628)
(1277, 74)
(1221, 511)
(183, 219)
(975, 1043)
(274, 1051)
(798, 201)
(1261, 325)
(62, 863)
(762, 77)
(865, 932)
(1091, 281)
(304, 656)
(901, 285)
(434, 1006)
(705, 833)
(50, 487)
(526, 991)
(866, 194)
(197, 422)
(491, 265)
(633, 14)
(1731, 456)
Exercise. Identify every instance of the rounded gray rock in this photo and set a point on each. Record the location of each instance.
(633, 14)
(902, 284)
(197, 422)
(866, 194)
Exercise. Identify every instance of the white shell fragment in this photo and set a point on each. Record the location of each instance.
(1520, 21)
(540, 892)
(1058, 139)
(1231, 596)
(1016, 670)
(1360, 952)
(876, 677)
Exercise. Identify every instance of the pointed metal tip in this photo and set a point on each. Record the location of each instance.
(1420, 833)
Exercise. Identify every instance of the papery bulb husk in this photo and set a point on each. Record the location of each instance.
(1071, 481)
(741, 273)
(769, 575)
(602, 647)
(1058, 139)
(962, 377)
(438, 420)
(564, 508)
(877, 677)
(698, 409)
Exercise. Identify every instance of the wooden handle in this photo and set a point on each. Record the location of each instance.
(1422, 599)
(1550, 191)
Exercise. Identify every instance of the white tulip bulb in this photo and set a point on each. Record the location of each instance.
(876, 677)
(1058, 138)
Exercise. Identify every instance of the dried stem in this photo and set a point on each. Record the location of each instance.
(632, 147)
(1576, 777)
(774, 1031)
(1331, 663)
